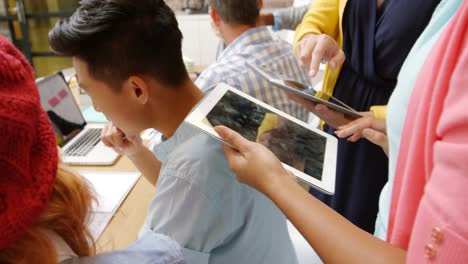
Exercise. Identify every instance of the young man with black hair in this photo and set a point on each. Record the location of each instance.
(127, 56)
(237, 23)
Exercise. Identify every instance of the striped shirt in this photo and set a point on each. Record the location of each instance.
(258, 47)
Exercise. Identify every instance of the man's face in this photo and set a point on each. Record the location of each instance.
(118, 107)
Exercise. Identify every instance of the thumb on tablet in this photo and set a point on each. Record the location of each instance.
(235, 159)
(253, 163)
(233, 138)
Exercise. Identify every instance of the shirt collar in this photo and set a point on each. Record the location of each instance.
(184, 132)
(255, 35)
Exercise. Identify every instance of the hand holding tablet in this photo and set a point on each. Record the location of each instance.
(309, 153)
(254, 164)
(330, 116)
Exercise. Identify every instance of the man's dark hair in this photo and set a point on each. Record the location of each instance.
(237, 12)
(120, 38)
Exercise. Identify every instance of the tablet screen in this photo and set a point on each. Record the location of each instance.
(292, 143)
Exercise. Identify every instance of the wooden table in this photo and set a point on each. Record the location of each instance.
(124, 227)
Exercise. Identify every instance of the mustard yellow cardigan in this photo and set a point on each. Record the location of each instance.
(326, 17)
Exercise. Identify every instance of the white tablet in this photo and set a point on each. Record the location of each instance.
(303, 90)
(307, 152)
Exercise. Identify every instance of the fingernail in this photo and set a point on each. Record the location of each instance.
(332, 65)
(312, 73)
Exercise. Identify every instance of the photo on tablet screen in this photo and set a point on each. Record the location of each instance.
(292, 143)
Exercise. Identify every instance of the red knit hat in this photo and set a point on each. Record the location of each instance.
(28, 152)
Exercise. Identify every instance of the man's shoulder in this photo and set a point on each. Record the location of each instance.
(220, 71)
(200, 161)
(273, 45)
(271, 52)
(200, 143)
(227, 65)
(233, 63)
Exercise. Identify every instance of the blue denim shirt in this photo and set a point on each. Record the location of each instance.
(149, 249)
(200, 204)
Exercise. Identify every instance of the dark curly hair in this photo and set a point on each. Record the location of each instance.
(120, 38)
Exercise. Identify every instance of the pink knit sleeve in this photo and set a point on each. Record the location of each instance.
(440, 232)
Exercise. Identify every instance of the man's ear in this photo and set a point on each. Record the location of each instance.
(214, 17)
(138, 89)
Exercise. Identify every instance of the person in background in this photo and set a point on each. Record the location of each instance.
(44, 206)
(128, 58)
(364, 58)
(235, 21)
(375, 129)
(284, 19)
(427, 216)
(278, 3)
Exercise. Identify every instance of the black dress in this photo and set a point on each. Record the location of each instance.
(376, 42)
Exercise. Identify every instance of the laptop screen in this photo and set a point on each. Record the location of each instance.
(61, 107)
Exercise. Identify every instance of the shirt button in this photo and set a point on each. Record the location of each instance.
(437, 235)
(430, 251)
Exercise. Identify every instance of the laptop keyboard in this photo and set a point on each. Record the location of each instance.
(85, 143)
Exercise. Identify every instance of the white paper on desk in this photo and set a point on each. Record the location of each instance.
(97, 223)
(110, 188)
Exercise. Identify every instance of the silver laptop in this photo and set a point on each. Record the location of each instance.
(80, 142)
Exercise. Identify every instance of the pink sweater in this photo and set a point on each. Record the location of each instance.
(429, 212)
